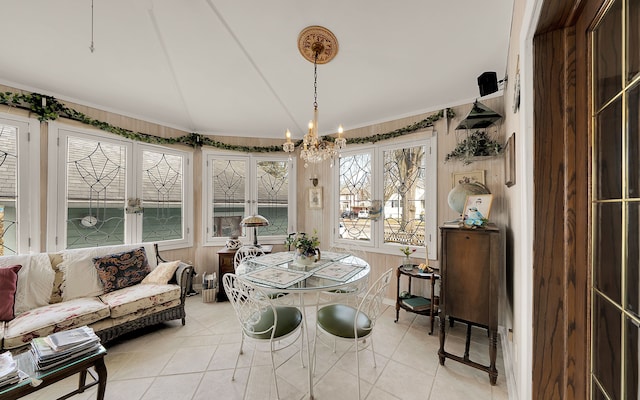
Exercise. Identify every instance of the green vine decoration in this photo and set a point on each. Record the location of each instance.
(47, 108)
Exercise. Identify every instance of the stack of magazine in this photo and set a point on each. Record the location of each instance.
(63, 347)
(9, 372)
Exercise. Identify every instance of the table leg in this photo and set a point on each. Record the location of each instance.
(305, 332)
(101, 369)
(82, 381)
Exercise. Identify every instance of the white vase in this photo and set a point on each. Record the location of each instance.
(303, 258)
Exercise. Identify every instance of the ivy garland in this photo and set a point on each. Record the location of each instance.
(49, 109)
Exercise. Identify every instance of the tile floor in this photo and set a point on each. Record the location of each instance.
(196, 361)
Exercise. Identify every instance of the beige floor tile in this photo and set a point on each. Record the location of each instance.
(405, 382)
(174, 387)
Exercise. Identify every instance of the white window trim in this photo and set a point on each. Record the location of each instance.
(252, 161)
(377, 244)
(28, 231)
(133, 228)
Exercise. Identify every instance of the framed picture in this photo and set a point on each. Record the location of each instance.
(315, 197)
(510, 161)
(468, 177)
(476, 208)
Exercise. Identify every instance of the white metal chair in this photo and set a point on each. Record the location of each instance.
(346, 322)
(262, 322)
(245, 252)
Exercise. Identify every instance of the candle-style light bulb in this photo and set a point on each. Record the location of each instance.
(288, 135)
(340, 130)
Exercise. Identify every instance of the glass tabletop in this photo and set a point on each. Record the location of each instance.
(279, 271)
(27, 366)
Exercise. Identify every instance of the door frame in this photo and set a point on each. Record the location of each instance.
(562, 159)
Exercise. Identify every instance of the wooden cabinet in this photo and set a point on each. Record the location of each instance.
(225, 265)
(469, 292)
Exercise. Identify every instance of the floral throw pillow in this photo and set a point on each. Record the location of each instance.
(120, 270)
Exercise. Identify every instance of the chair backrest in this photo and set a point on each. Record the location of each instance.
(371, 303)
(254, 311)
(246, 251)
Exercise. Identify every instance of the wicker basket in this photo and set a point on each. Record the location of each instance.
(208, 295)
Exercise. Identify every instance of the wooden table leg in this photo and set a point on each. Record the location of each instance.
(82, 382)
(101, 369)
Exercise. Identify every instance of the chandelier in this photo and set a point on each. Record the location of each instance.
(318, 45)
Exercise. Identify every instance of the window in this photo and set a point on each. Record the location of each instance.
(386, 197)
(238, 186)
(19, 185)
(113, 191)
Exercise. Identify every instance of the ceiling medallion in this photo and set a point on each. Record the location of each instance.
(320, 40)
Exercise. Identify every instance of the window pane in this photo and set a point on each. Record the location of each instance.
(162, 196)
(606, 346)
(608, 152)
(633, 40)
(632, 303)
(8, 189)
(229, 181)
(404, 196)
(273, 196)
(95, 193)
(634, 142)
(607, 265)
(631, 355)
(608, 62)
(355, 197)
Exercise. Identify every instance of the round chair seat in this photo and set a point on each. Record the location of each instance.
(338, 320)
(289, 318)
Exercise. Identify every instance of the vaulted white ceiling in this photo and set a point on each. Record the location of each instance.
(232, 67)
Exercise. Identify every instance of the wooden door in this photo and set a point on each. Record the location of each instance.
(587, 200)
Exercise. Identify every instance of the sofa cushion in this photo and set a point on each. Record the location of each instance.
(134, 298)
(162, 273)
(111, 322)
(35, 280)
(81, 277)
(8, 285)
(121, 270)
(52, 318)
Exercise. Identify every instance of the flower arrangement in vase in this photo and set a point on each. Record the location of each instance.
(407, 251)
(306, 247)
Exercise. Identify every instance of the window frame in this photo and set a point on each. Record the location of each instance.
(56, 195)
(28, 182)
(250, 203)
(427, 139)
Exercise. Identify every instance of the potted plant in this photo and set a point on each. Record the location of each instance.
(477, 144)
(306, 248)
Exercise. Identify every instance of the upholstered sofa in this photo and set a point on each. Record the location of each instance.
(114, 290)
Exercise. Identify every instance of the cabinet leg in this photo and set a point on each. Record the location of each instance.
(441, 355)
(467, 342)
(493, 372)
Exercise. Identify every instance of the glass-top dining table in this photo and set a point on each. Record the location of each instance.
(277, 273)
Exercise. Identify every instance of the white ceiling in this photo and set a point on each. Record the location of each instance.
(232, 67)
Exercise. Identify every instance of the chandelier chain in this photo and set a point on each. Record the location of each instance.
(315, 81)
